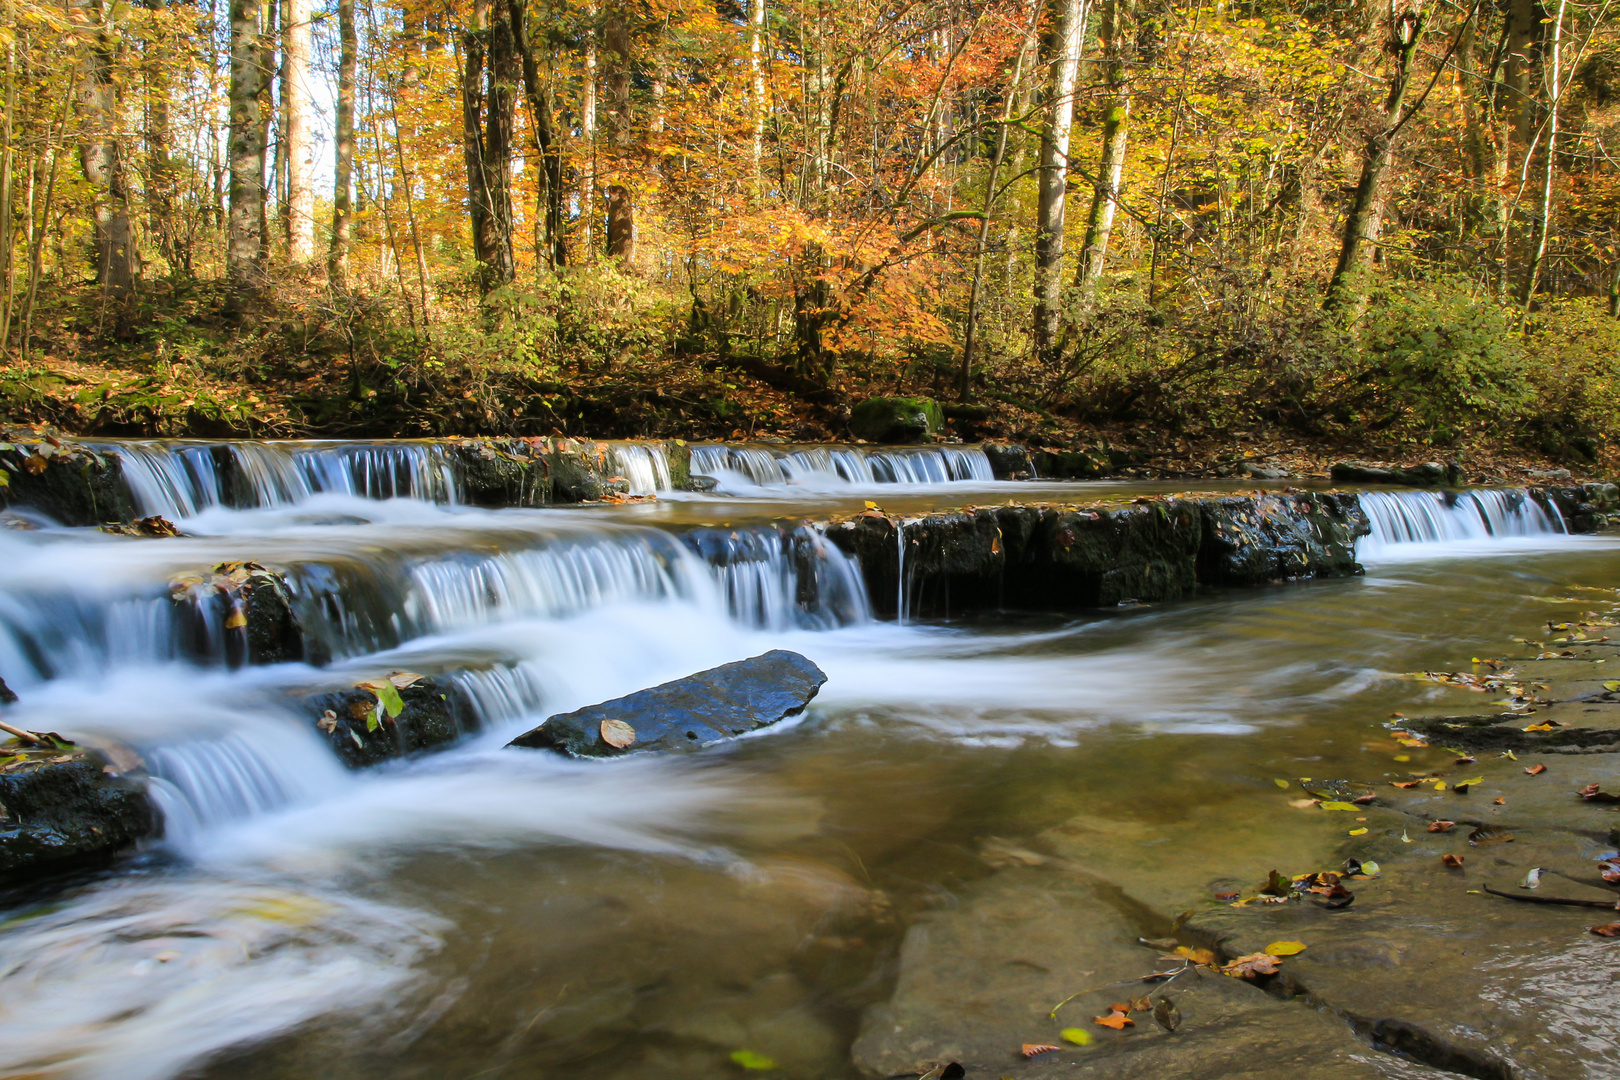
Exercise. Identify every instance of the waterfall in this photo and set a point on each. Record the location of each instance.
(645, 466)
(1433, 517)
(745, 467)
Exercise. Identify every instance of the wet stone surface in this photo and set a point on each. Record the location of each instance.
(61, 809)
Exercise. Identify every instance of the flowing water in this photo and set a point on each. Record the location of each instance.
(493, 913)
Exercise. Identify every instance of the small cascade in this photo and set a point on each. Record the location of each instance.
(743, 467)
(645, 466)
(1433, 517)
(774, 578)
(174, 480)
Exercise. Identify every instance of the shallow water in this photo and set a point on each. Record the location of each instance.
(494, 913)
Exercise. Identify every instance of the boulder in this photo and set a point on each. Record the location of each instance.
(74, 484)
(1009, 461)
(60, 809)
(366, 724)
(501, 472)
(686, 714)
(583, 471)
(895, 419)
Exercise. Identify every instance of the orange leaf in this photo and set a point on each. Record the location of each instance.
(618, 734)
(1116, 1020)
(1036, 1049)
(1536, 770)
(1442, 826)
(1453, 861)
(1607, 930)
(1247, 967)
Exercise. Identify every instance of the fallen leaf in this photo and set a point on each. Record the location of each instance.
(1489, 834)
(1607, 930)
(402, 679)
(1536, 770)
(1116, 1020)
(1610, 872)
(1078, 1036)
(1499, 801)
(387, 695)
(328, 721)
(1197, 956)
(1593, 793)
(1470, 783)
(1453, 861)
(1612, 685)
(236, 620)
(1532, 880)
(1037, 1049)
(1284, 948)
(750, 1060)
(1141, 1004)
(1277, 885)
(1338, 806)
(1166, 1013)
(1405, 783)
(1252, 965)
(617, 734)
(35, 464)
(1280, 783)
(1365, 800)
(1303, 804)
(1442, 826)
(1541, 727)
(1358, 832)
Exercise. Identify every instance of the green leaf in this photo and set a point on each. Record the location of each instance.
(374, 721)
(1078, 1036)
(1340, 806)
(750, 1060)
(1280, 783)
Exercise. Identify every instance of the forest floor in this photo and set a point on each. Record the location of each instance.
(296, 376)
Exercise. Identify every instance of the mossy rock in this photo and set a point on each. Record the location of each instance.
(361, 731)
(895, 419)
(74, 484)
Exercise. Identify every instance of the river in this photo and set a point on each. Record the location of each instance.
(486, 912)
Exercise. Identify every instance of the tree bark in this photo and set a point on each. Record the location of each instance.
(756, 71)
(1542, 225)
(1365, 221)
(244, 242)
(297, 109)
(621, 223)
(587, 135)
(1115, 136)
(1068, 36)
(101, 156)
(337, 258)
(549, 190)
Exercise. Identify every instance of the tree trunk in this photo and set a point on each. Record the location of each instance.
(1116, 132)
(296, 110)
(160, 166)
(337, 258)
(756, 71)
(1365, 221)
(489, 110)
(549, 189)
(1521, 54)
(616, 47)
(1542, 224)
(621, 223)
(1068, 37)
(102, 158)
(244, 242)
(587, 135)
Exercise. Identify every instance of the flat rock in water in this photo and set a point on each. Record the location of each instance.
(720, 703)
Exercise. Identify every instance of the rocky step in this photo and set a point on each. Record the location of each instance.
(686, 714)
(63, 807)
(1071, 557)
(388, 717)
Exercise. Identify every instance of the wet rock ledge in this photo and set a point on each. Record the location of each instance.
(1061, 558)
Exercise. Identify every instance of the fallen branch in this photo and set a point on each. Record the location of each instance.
(1565, 901)
(21, 734)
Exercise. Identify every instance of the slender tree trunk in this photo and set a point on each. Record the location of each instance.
(964, 378)
(621, 223)
(1614, 290)
(1522, 53)
(1116, 133)
(756, 71)
(101, 155)
(1069, 35)
(8, 215)
(337, 257)
(621, 212)
(549, 188)
(1542, 225)
(587, 134)
(296, 132)
(245, 252)
(489, 110)
(1365, 221)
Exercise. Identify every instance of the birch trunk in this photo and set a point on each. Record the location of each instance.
(101, 156)
(296, 130)
(337, 258)
(1054, 174)
(1115, 136)
(244, 240)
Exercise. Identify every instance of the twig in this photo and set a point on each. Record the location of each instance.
(21, 734)
(1552, 900)
(1186, 966)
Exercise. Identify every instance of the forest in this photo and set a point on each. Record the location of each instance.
(1395, 220)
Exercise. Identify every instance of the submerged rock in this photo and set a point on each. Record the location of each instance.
(895, 419)
(1009, 461)
(74, 484)
(60, 809)
(1429, 474)
(392, 716)
(686, 714)
(239, 611)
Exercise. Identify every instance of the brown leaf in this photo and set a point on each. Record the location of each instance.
(618, 734)
(1405, 783)
(1364, 800)
(1594, 793)
(402, 679)
(1116, 1020)
(1442, 826)
(1489, 834)
(1252, 965)
(1536, 770)
(1036, 1049)
(1453, 861)
(1465, 760)
(1607, 930)
(35, 464)
(1141, 1004)
(1499, 801)
(1610, 872)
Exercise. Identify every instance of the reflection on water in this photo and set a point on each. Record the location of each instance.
(498, 913)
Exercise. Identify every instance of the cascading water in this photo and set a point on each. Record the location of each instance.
(1433, 517)
(740, 468)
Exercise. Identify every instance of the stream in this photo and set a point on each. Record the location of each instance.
(486, 913)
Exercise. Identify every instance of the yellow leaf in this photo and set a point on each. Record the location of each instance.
(1470, 783)
(1340, 806)
(1358, 832)
(1078, 1036)
(1280, 783)
(1612, 685)
(1285, 948)
(237, 620)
